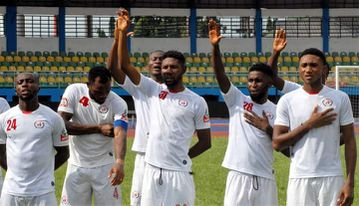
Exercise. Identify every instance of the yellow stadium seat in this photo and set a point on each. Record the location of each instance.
(205, 60)
(227, 69)
(87, 69)
(346, 59)
(234, 69)
(201, 79)
(51, 79)
(75, 59)
(43, 79)
(284, 69)
(42, 59)
(246, 60)
(9, 79)
(196, 60)
(67, 59)
(293, 69)
(62, 69)
(17, 59)
(2, 59)
(25, 59)
(295, 59)
(70, 69)
(189, 59)
(354, 59)
(93, 59)
(237, 59)
(235, 79)
(193, 79)
(34, 59)
(54, 69)
(223, 59)
(59, 79)
(141, 59)
(83, 59)
(37, 69)
(100, 59)
(287, 59)
(354, 79)
(2, 80)
(20, 68)
(45, 69)
(280, 59)
(210, 79)
(50, 59)
(185, 79)
(68, 79)
(243, 80)
(229, 60)
(4, 68)
(338, 59)
(193, 69)
(29, 69)
(262, 59)
(12, 68)
(84, 79)
(9, 59)
(59, 59)
(79, 69)
(243, 69)
(76, 79)
(254, 59)
(293, 79)
(210, 69)
(202, 69)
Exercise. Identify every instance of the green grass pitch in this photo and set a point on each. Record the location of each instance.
(210, 177)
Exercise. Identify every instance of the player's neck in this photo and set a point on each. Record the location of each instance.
(29, 106)
(176, 88)
(313, 88)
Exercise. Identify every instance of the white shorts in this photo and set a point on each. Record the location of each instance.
(321, 191)
(245, 189)
(48, 199)
(80, 183)
(137, 179)
(167, 187)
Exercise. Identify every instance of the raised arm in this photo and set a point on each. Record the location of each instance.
(215, 38)
(279, 43)
(112, 62)
(283, 138)
(346, 195)
(123, 23)
(78, 129)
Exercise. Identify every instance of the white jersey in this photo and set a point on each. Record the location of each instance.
(174, 119)
(142, 116)
(4, 106)
(30, 140)
(249, 149)
(91, 150)
(290, 86)
(317, 153)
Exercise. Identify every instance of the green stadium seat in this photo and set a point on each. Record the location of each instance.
(71, 54)
(46, 53)
(95, 54)
(104, 55)
(244, 54)
(335, 54)
(79, 54)
(21, 53)
(284, 54)
(54, 53)
(343, 54)
(145, 54)
(252, 54)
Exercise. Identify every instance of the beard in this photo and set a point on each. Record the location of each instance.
(170, 82)
(258, 97)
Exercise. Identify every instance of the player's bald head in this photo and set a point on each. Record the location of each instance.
(34, 76)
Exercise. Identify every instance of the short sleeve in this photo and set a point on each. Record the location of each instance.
(2, 131)
(120, 110)
(290, 86)
(148, 86)
(68, 100)
(59, 134)
(346, 112)
(231, 96)
(282, 115)
(4, 106)
(129, 86)
(202, 115)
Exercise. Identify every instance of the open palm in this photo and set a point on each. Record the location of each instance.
(214, 32)
(280, 40)
(123, 20)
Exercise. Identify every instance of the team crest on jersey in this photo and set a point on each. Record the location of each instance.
(327, 102)
(103, 109)
(64, 102)
(206, 118)
(182, 103)
(39, 124)
(269, 115)
(115, 193)
(163, 94)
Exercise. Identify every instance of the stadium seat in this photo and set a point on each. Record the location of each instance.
(46, 54)
(45, 69)
(234, 69)
(9, 59)
(12, 68)
(79, 69)
(79, 54)
(254, 59)
(246, 59)
(84, 79)
(263, 59)
(25, 59)
(338, 59)
(329, 59)
(100, 59)
(237, 59)
(20, 68)
(2, 59)
(243, 80)
(70, 69)
(42, 59)
(75, 59)
(235, 79)
(229, 60)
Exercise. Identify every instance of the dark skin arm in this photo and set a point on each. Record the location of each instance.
(77, 129)
(3, 162)
(117, 170)
(62, 154)
(279, 43)
(215, 37)
(283, 138)
(203, 144)
(123, 23)
(346, 195)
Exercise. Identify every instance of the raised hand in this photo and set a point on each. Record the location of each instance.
(123, 20)
(214, 32)
(280, 40)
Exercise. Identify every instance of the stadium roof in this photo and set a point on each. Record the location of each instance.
(240, 4)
